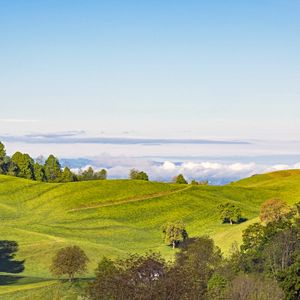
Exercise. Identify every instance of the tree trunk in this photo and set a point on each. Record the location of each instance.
(230, 221)
(173, 244)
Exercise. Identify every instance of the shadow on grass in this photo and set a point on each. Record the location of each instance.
(7, 279)
(241, 220)
(8, 264)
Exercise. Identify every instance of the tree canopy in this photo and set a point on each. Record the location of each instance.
(138, 175)
(273, 210)
(174, 232)
(69, 261)
(180, 179)
(229, 213)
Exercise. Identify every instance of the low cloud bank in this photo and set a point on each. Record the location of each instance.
(215, 172)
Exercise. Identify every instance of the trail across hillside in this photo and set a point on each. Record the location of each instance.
(129, 200)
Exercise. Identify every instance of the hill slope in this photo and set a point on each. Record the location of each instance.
(117, 217)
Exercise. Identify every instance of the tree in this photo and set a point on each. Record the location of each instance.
(69, 261)
(174, 232)
(101, 175)
(229, 213)
(2, 158)
(52, 169)
(138, 175)
(12, 168)
(198, 259)
(136, 277)
(274, 210)
(245, 287)
(39, 172)
(279, 252)
(68, 176)
(180, 179)
(25, 165)
(289, 280)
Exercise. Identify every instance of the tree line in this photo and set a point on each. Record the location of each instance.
(48, 170)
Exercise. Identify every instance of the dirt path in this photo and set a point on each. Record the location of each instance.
(129, 200)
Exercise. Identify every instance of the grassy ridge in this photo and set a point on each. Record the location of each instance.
(117, 217)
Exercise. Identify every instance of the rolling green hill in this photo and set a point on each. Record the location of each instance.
(117, 217)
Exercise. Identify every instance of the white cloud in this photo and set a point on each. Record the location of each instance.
(214, 172)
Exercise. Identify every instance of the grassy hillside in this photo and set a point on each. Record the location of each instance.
(117, 217)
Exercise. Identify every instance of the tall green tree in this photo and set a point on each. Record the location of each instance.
(2, 159)
(198, 259)
(39, 172)
(52, 169)
(68, 176)
(25, 165)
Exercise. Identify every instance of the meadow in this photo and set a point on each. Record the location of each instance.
(116, 217)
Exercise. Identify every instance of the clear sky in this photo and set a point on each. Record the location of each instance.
(151, 68)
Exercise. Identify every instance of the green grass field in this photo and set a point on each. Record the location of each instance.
(117, 217)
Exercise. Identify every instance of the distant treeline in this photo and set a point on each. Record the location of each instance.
(49, 170)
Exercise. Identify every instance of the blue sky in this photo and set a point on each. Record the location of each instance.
(196, 69)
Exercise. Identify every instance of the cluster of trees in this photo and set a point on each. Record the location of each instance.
(135, 174)
(49, 170)
(266, 265)
(180, 179)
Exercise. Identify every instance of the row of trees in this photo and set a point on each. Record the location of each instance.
(49, 170)
(135, 174)
(266, 265)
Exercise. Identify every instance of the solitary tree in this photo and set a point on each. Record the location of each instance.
(229, 213)
(69, 261)
(180, 179)
(174, 232)
(52, 169)
(274, 210)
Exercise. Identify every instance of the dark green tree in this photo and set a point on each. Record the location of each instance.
(290, 281)
(198, 260)
(2, 159)
(39, 172)
(25, 165)
(88, 174)
(52, 169)
(68, 176)
(135, 278)
(138, 175)
(180, 179)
